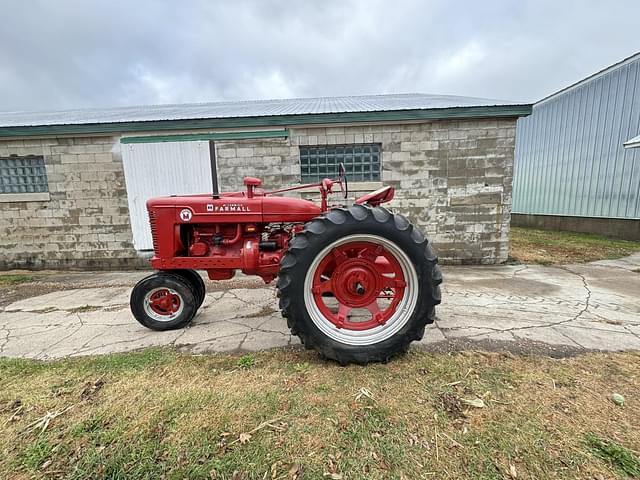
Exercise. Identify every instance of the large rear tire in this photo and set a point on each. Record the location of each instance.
(359, 284)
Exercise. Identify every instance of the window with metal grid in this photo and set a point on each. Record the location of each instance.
(361, 162)
(23, 175)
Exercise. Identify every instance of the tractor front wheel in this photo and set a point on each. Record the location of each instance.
(196, 282)
(164, 301)
(359, 284)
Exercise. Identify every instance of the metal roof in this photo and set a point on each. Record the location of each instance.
(243, 109)
(622, 63)
(633, 143)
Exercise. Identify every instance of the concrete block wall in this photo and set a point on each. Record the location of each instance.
(453, 179)
(275, 161)
(85, 222)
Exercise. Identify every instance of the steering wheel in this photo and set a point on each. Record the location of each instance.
(342, 178)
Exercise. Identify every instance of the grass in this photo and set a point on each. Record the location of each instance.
(551, 247)
(15, 279)
(622, 459)
(160, 414)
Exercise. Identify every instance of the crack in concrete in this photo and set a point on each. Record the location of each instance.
(586, 287)
(55, 344)
(48, 329)
(277, 317)
(120, 342)
(553, 324)
(474, 312)
(246, 335)
(233, 294)
(540, 325)
(41, 325)
(521, 269)
(212, 339)
(548, 325)
(508, 300)
(91, 308)
(491, 330)
(180, 335)
(86, 344)
(66, 337)
(255, 328)
(437, 325)
(626, 327)
(567, 337)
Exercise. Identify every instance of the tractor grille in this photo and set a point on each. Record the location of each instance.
(154, 229)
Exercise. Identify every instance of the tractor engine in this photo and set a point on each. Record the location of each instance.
(255, 249)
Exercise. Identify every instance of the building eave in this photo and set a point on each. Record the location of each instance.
(497, 111)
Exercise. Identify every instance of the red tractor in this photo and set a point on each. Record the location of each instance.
(356, 283)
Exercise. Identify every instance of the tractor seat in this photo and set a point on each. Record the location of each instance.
(382, 195)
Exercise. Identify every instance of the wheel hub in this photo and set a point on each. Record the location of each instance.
(164, 302)
(356, 283)
(358, 275)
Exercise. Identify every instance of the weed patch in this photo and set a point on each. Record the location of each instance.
(247, 360)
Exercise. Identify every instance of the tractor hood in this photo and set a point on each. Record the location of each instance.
(236, 208)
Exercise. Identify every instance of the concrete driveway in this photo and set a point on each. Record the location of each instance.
(554, 310)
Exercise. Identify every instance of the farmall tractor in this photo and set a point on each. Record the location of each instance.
(356, 283)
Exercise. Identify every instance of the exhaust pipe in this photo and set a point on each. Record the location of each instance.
(215, 189)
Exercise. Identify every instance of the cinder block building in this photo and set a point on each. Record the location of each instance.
(73, 184)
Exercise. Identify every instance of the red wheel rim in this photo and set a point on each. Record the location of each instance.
(164, 302)
(362, 276)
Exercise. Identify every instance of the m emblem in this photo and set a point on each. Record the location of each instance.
(185, 215)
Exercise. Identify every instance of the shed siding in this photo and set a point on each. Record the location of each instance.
(570, 158)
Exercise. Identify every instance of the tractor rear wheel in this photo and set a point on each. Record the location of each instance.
(359, 284)
(163, 301)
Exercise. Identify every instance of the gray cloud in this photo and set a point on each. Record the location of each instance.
(87, 53)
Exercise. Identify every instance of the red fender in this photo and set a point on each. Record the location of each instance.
(382, 195)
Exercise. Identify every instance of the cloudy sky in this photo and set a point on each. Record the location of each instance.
(62, 54)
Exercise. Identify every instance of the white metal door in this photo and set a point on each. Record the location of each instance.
(160, 169)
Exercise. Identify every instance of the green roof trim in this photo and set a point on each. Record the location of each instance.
(193, 137)
(271, 121)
